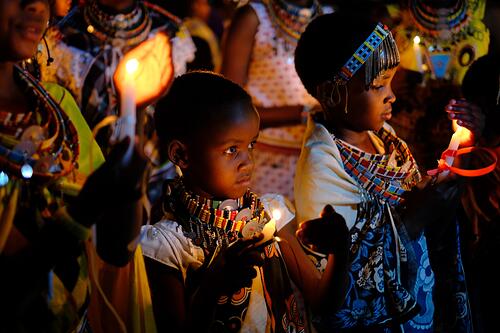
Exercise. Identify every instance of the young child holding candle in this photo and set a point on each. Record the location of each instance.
(187, 252)
(353, 160)
(205, 267)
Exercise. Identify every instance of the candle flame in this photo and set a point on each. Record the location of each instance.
(464, 133)
(148, 67)
(276, 214)
(416, 40)
(132, 65)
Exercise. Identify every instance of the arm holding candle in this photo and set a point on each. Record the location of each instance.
(111, 199)
(468, 122)
(330, 235)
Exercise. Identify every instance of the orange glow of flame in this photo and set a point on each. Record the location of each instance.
(464, 133)
(149, 66)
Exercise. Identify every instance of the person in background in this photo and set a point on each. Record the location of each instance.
(46, 153)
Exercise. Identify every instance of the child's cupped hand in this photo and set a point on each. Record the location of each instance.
(467, 114)
(328, 234)
(234, 266)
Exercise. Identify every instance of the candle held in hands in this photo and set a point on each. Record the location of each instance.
(128, 116)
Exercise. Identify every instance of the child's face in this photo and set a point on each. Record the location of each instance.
(369, 109)
(22, 24)
(221, 161)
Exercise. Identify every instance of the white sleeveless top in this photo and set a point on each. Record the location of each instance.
(272, 79)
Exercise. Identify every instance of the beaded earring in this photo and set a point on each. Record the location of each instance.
(329, 92)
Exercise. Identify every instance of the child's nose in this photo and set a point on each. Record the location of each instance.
(391, 97)
(247, 162)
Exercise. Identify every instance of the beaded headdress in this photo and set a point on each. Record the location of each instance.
(378, 53)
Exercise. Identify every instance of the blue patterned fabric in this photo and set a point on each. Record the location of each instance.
(453, 314)
(390, 278)
(423, 290)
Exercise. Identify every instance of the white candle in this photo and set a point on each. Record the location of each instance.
(128, 109)
(456, 138)
(418, 53)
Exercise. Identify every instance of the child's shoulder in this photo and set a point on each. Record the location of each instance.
(316, 133)
(166, 243)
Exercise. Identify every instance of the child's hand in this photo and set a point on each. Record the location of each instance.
(328, 234)
(234, 266)
(429, 204)
(467, 115)
(112, 185)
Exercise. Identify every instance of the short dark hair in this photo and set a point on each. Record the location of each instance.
(327, 43)
(482, 80)
(196, 101)
(481, 86)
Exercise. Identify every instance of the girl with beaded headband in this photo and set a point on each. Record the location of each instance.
(45, 223)
(352, 159)
(200, 255)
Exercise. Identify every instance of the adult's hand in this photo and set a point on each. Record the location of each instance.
(467, 114)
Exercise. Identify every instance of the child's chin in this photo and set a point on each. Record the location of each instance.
(239, 192)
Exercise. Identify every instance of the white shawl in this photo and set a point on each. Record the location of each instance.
(320, 177)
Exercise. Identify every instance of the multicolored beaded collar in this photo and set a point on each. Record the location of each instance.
(208, 222)
(386, 176)
(121, 29)
(45, 149)
(433, 20)
(290, 20)
(378, 51)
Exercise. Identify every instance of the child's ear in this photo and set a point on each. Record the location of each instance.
(328, 95)
(177, 153)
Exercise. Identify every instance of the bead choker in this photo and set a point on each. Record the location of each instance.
(207, 221)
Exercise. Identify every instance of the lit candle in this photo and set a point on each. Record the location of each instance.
(461, 135)
(276, 214)
(128, 107)
(418, 53)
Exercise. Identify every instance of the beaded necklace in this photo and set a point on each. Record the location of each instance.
(211, 223)
(291, 20)
(386, 176)
(48, 148)
(120, 29)
(433, 21)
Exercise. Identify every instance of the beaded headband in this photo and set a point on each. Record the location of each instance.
(379, 52)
